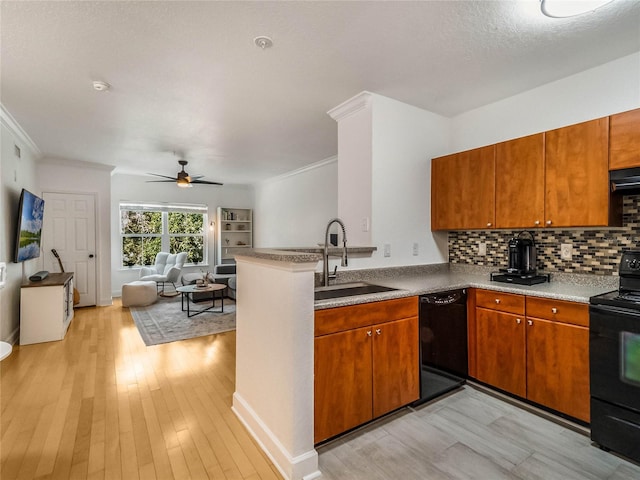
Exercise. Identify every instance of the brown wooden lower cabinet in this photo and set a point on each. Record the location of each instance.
(343, 382)
(558, 366)
(362, 373)
(545, 360)
(501, 351)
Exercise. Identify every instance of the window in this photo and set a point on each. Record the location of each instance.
(147, 229)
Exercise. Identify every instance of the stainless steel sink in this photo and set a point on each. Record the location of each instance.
(349, 289)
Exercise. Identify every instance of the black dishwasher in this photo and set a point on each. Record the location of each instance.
(443, 343)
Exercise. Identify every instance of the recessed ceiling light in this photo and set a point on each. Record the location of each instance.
(101, 86)
(570, 8)
(263, 42)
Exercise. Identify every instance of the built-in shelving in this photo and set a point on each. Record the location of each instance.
(234, 232)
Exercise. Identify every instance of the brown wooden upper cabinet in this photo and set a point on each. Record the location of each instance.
(576, 175)
(520, 182)
(624, 140)
(463, 190)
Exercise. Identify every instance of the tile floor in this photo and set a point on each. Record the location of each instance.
(469, 435)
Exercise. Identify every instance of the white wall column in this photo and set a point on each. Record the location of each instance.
(274, 357)
(355, 144)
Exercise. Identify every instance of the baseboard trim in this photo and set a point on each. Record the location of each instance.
(300, 467)
(14, 336)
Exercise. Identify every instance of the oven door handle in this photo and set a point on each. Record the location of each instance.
(615, 310)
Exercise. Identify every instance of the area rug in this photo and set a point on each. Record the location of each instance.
(165, 322)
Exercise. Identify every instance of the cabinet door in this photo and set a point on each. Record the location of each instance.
(576, 175)
(343, 383)
(395, 365)
(501, 355)
(624, 140)
(558, 366)
(520, 182)
(463, 190)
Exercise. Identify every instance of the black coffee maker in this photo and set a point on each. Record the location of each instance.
(522, 255)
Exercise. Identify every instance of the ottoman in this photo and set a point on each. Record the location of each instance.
(139, 293)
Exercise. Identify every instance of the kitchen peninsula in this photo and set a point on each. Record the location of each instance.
(275, 337)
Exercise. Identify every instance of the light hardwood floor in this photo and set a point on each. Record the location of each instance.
(100, 404)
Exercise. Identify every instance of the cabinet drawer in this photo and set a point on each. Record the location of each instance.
(558, 310)
(340, 319)
(502, 302)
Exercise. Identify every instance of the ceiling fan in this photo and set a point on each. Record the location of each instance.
(183, 179)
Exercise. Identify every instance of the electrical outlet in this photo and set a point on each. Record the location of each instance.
(566, 251)
(387, 249)
(416, 249)
(365, 224)
(482, 249)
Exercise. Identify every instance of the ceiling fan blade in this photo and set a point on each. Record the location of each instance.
(162, 176)
(173, 180)
(206, 182)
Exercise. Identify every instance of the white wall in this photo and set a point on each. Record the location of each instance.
(59, 176)
(136, 188)
(355, 188)
(292, 210)
(17, 173)
(405, 138)
(610, 88)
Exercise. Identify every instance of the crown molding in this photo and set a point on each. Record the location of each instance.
(76, 163)
(11, 123)
(298, 171)
(351, 106)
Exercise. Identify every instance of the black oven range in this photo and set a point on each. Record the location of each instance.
(614, 362)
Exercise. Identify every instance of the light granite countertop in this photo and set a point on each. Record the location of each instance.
(574, 288)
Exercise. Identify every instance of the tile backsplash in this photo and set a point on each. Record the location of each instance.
(595, 251)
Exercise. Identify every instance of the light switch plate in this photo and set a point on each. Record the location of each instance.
(482, 249)
(387, 249)
(416, 249)
(3, 274)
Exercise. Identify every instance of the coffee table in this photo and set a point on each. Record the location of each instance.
(188, 290)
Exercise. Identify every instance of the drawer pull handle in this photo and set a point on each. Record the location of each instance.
(497, 300)
(530, 322)
(518, 321)
(378, 331)
(554, 310)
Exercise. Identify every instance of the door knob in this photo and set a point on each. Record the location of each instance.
(497, 300)
(378, 331)
(518, 321)
(530, 322)
(368, 333)
(489, 224)
(537, 222)
(548, 222)
(554, 310)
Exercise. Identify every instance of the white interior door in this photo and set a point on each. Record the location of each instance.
(70, 229)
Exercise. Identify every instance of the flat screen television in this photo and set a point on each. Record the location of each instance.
(29, 229)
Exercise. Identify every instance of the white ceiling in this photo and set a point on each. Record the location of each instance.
(187, 77)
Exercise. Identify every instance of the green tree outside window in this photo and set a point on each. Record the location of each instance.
(143, 234)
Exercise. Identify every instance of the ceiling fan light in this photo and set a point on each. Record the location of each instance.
(570, 8)
(183, 183)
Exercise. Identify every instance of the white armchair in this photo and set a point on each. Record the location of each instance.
(167, 269)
